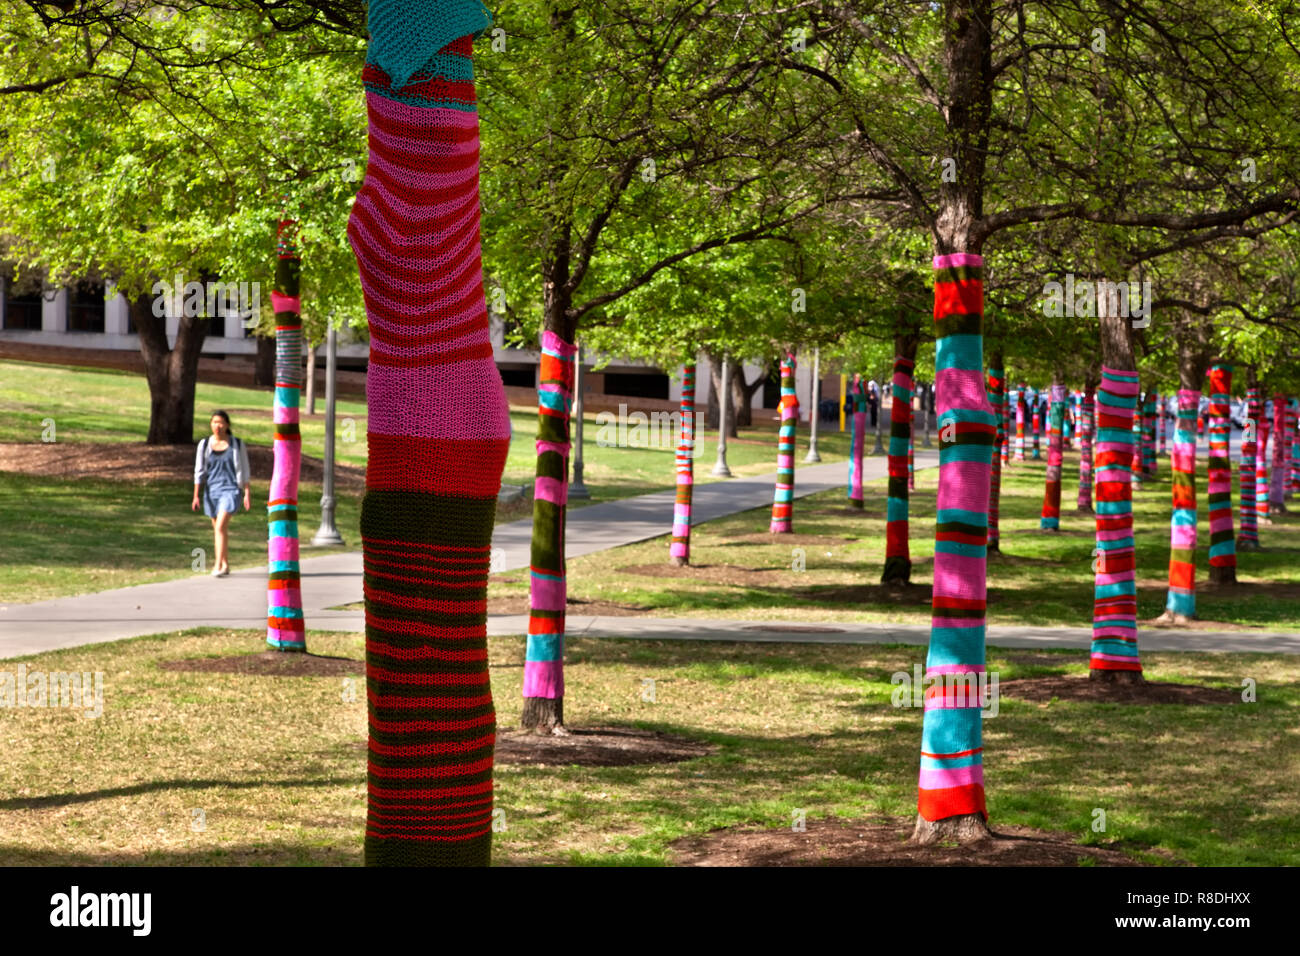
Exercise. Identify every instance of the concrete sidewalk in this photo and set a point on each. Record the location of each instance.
(239, 601)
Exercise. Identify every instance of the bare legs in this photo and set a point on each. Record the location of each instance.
(221, 540)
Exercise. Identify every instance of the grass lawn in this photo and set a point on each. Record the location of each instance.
(277, 764)
(1039, 579)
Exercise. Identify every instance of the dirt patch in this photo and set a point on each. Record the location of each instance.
(1043, 689)
(817, 540)
(597, 747)
(908, 595)
(269, 664)
(882, 842)
(728, 574)
(519, 604)
(1251, 590)
(136, 461)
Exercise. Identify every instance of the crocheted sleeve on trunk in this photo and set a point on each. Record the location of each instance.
(406, 35)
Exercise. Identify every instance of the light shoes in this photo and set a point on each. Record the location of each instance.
(220, 572)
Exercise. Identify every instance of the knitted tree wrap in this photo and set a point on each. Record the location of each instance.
(1293, 429)
(1114, 619)
(1182, 526)
(783, 500)
(858, 432)
(1264, 430)
(1037, 424)
(1006, 424)
(1149, 460)
(1087, 411)
(1020, 422)
(1050, 519)
(995, 391)
(548, 588)
(285, 628)
(1246, 474)
(1223, 546)
(952, 762)
(1281, 453)
(438, 433)
(898, 560)
(911, 460)
(680, 547)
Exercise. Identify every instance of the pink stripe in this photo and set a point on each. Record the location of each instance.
(547, 595)
(544, 679)
(958, 576)
(1112, 657)
(961, 388)
(551, 489)
(554, 343)
(412, 402)
(952, 777)
(560, 448)
(282, 549)
(284, 414)
(955, 669)
(284, 479)
(285, 303)
(965, 485)
(1183, 536)
(1118, 577)
(958, 259)
(1114, 630)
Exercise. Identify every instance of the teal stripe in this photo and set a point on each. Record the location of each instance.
(955, 645)
(544, 647)
(1121, 589)
(960, 351)
(277, 610)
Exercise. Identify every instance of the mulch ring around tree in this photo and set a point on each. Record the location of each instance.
(906, 594)
(597, 747)
(270, 664)
(882, 841)
(1080, 687)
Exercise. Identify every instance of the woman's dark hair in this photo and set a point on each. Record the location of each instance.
(225, 417)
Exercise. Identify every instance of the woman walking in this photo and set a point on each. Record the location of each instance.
(221, 472)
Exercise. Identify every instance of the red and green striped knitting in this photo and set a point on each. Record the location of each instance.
(438, 433)
(1114, 621)
(285, 627)
(1005, 422)
(679, 550)
(1087, 415)
(1263, 431)
(995, 391)
(898, 560)
(952, 763)
(1037, 424)
(543, 689)
(857, 394)
(1181, 602)
(1020, 422)
(1248, 539)
(1223, 546)
(1293, 411)
(783, 500)
(1149, 461)
(1050, 519)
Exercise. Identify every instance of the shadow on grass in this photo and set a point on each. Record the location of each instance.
(71, 799)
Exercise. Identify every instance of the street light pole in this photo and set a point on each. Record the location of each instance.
(328, 534)
(816, 402)
(577, 489)
(720, 469)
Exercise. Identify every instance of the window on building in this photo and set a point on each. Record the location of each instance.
(637, 384)
(22, 307)
(86, 307)
(525, 377)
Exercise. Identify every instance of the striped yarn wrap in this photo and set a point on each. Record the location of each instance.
(1149, 467)
(898, 560)
(1004, 411)
(438, 433)
(995, 392)
(1020, 422)
(1293, 410)
(952, 763)
(1281, 454)
(1114, 620)
(1161, 425)
(680, 548)
(1087, 413)
(1050, 519)
(1223, 546)
(1263, 432)
(858, 431)
(547, 586)
(1182, 525)
(1037, 424)
(1246, 474)
(783, 499)
(911, 460)
(285, 626)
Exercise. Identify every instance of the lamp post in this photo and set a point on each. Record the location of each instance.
(816, 410)
(720, 468)
(577, 489)
(327, 534)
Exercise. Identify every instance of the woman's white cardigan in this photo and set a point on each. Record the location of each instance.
(241, 462)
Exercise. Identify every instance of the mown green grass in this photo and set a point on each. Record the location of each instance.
(277, 764)
(1040, 578)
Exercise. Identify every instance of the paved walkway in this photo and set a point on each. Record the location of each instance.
(239, 601)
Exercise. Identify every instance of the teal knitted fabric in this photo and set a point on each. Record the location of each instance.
(407, 34)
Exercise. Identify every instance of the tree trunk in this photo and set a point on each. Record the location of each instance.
(1114, 655)
(170, 371)
(857, 439)
(1293, 429)
(285, 627)
(1248, 540)
(1021, 408)
(783, 498)
(438, 435)
(1050, 518)
(1264, 430)
(264, 363)
(1223, 550)
(311, 378)
(996, 392)
(742, 395)
(1037, 424)
(679, 549)
(1087, 425)
(1149, 460)
(712, 405)
(898, 559)
(1281, 448)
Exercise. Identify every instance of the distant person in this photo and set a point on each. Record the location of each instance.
(873, 401)
(221, 472)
